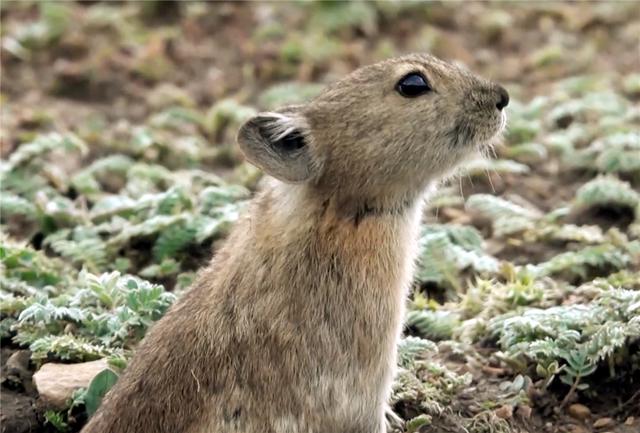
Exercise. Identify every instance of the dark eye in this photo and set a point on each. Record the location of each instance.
(413, 85)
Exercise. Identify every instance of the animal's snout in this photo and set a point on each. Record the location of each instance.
(503, 98)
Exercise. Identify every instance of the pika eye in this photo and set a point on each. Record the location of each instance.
(413, 85)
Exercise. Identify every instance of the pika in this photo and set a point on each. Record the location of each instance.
(293, 326)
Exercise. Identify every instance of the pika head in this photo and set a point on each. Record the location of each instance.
(383, 132)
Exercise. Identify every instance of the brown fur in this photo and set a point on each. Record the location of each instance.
(293, 327)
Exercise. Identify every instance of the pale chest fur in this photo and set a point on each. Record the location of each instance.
(367, 307)
(318, 307)
(344, 305)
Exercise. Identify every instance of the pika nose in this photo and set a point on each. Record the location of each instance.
(503, 98)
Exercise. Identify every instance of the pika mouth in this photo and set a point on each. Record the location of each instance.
(494, 131)
(473, 133)
(486, 147)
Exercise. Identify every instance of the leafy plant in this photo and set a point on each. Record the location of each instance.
(411, 349)
(97, 316)
(607, 191)
(606, 257)
(435, 325)
(574, 337)
(507, 217)
(57, 420)
(54, 19)
(617, 152)
(98, 387)
(447, 250)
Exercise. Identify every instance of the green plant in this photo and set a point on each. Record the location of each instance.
(579, 264)
(573, 339)
(57, 420)
(96, 316)
(607, 191)
(53, 22)
(98, 387)
(507, 217)
(435, 325)
(448, 250)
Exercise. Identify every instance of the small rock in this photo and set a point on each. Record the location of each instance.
(57, 382)
(18, 362)
(579, 411)
(504, 411)
(524, 411)
(603, 422)
(493, 371)
(456, 215)
(18, 373)
(629, 421)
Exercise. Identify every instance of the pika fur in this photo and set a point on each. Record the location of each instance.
(293, 326)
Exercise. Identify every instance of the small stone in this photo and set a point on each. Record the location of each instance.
(629, 421)
(57, 382)
(454, 215)
(18, 372)
(579, 411)
(603, 422)
(18, 362)
(493, 371)
(504, 411)
(524, 411)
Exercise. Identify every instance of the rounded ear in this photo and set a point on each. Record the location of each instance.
(278, 143)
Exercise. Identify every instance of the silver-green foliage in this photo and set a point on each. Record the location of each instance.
(448, 250)
(506, 217)
(422, 381)
(590, 128)
(571, 340)
(577, 264)
(95, 237)
(102, 315)
(607, 191)
(58, 313)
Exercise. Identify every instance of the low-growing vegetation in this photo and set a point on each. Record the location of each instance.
(120, 179)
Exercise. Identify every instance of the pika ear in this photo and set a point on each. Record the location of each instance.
(279, 144)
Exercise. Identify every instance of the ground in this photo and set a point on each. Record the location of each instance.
(120, 178)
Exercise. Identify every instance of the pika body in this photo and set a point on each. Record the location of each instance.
(293, 326)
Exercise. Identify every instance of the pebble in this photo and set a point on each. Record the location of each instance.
(504, 411)
(17, 370)
(456, 215)
(18, 362)
(579, 411)
(57, 382)
(603, 422)
(493, 371)
(524, 411)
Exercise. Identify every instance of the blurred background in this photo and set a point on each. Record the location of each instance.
(125, 60)
(120, 176)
